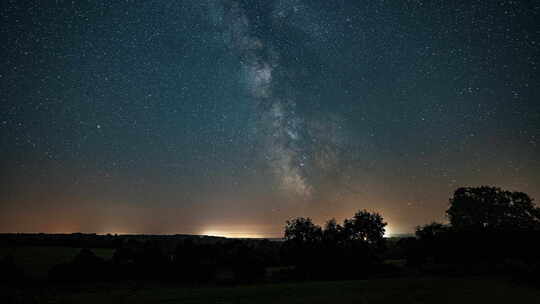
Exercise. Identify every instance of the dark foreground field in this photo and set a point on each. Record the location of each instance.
(36, 261)
(402, 290)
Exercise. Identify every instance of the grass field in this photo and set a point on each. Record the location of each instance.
(36, 261)
(402, 290)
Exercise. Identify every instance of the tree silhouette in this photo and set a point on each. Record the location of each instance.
(492, 209)
(302, 230)
(347, 251)
(365, 226)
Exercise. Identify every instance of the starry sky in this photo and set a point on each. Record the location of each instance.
(228, 117)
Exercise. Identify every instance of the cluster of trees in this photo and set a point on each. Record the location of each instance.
(490, 230)
(350, 250)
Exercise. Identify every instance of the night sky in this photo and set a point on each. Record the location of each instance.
(229, 117)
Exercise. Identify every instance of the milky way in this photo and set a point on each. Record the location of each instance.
(291, 143)
(231, 116)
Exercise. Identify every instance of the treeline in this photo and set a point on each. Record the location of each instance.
(490, 231)
(89, 240)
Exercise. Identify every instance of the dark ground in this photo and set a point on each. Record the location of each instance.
(400, 290)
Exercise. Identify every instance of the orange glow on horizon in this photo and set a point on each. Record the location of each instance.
(233, 232)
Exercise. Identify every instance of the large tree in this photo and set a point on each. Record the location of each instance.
(492, 209)
(365, 226)
(302, 230)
